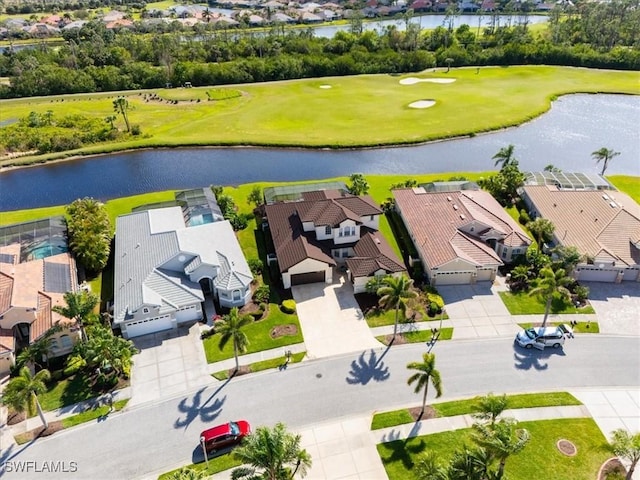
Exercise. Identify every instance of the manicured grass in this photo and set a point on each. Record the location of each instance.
(580, 327)
(399, 456)
(627, 184)
(299, 113)
(420, 336)
(264, 365)
(464, 407)
(67, 392)
(258, 334)
(92, 414)
(523, 304)
(216, 465)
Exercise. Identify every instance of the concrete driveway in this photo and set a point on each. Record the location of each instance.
(617, 306)
(331, 320)
(169, 363)
(477, 311)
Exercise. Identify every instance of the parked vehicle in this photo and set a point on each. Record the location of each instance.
(224, 436)
(540, 338)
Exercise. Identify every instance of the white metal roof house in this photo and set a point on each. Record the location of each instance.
(163, 270)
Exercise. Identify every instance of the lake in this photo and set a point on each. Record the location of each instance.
(575, 126)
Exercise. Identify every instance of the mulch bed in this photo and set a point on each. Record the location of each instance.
(41, 432)
(283, 330)
(13, 418)
(429, 412)
(243, 370)
(566, 447)
(610, 467)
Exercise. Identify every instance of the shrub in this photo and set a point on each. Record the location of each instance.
(238, 222)
(136, 130)
(255, 264)
(74, 364)
(434, 309)
(257, 315)
(524, 217)
(264, 306)
(288, 306)
(261, 295)
(208, 333)
(581, 292)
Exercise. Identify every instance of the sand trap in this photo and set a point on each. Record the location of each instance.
(422, 104)
(414, 80)
(324, 87)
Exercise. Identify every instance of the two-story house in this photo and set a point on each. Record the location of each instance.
(461, 237)
(329, 228)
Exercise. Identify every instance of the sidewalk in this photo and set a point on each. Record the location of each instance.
(346, 449)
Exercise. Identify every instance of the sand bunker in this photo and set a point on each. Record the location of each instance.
(422, 104)
(414, 80)
(324, 87)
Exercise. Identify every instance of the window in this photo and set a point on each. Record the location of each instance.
(347, 231)
(371, 218)
(145, 310)
(345, 253)
(236, 295)
(504, 253)
(53, 345)
(66, 341)
(327, 230)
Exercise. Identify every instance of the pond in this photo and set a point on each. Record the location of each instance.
(575, 126)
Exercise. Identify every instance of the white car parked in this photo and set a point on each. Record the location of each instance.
(540, 338)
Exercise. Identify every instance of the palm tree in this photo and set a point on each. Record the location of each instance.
(79, 306)
(21, 393)
(121, 106)
(542, 229)
(627, 447)
(549, 283)
(604, 155)
(501, 440)
(394, 294)
(426, 372)
(36, 351)
(491, 407)
(448, 61)
(230, 328)
(504, 157)
(271, 454)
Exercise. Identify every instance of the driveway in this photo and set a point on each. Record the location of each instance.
(617, 306)
(477, 311)
(331, 320)
(169, 363)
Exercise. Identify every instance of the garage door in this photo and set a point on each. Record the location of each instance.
(311, 277)
(596, 275)
(630, 275)
(454, 278)
(484, 274)
(152, 325)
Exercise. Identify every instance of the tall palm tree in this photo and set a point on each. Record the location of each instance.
(230, 328)
(627, 447)
(21, 393)
(490, 407)
(501, 440)
(79, 305)
(542, 229)
(272, 454)
(604, 155)
(395, 293)
(121, 106)
(550, 283)
(504, 157)
(426, 372)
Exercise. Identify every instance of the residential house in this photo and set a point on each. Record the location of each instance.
(460, 236)
(604, 225)
(36, 271)
(165, 263)
(325, 229)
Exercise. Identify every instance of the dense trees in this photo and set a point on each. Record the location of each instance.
(97, 59)
(89, 233)
(79, 306)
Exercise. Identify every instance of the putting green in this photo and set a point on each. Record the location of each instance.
(361, 110)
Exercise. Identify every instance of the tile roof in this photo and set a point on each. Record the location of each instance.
(442, 222)
(599, 223)
(7, 340)
(373, 253)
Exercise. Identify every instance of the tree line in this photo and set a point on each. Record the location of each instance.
(95, 59)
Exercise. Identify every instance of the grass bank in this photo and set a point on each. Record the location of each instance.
(299, 113)
(522, 303)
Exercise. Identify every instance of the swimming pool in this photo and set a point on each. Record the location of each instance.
(43, 249)
(201, 219)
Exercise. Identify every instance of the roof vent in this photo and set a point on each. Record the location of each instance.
(605, 196)
(455, 207)
(448, 198)
(462, 217)
(137, 245)
(613, 204)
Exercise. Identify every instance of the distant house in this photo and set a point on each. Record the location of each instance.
(113, 16)
(165, 263)
(35, 272)
(604, 225)
(327, 228)
(461, 236)
(308, 17)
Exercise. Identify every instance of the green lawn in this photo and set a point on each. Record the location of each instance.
(419, 336)
(299, 113)
(264, 365)
(258, 334)
(627, 184)
(524, 304)
(463, 407)
(92, 414)
(399, 456)
(66, 392)
(581, 327)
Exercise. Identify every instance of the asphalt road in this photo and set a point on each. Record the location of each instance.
(149, 438)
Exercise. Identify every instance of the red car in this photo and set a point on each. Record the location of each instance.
(223, 436)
